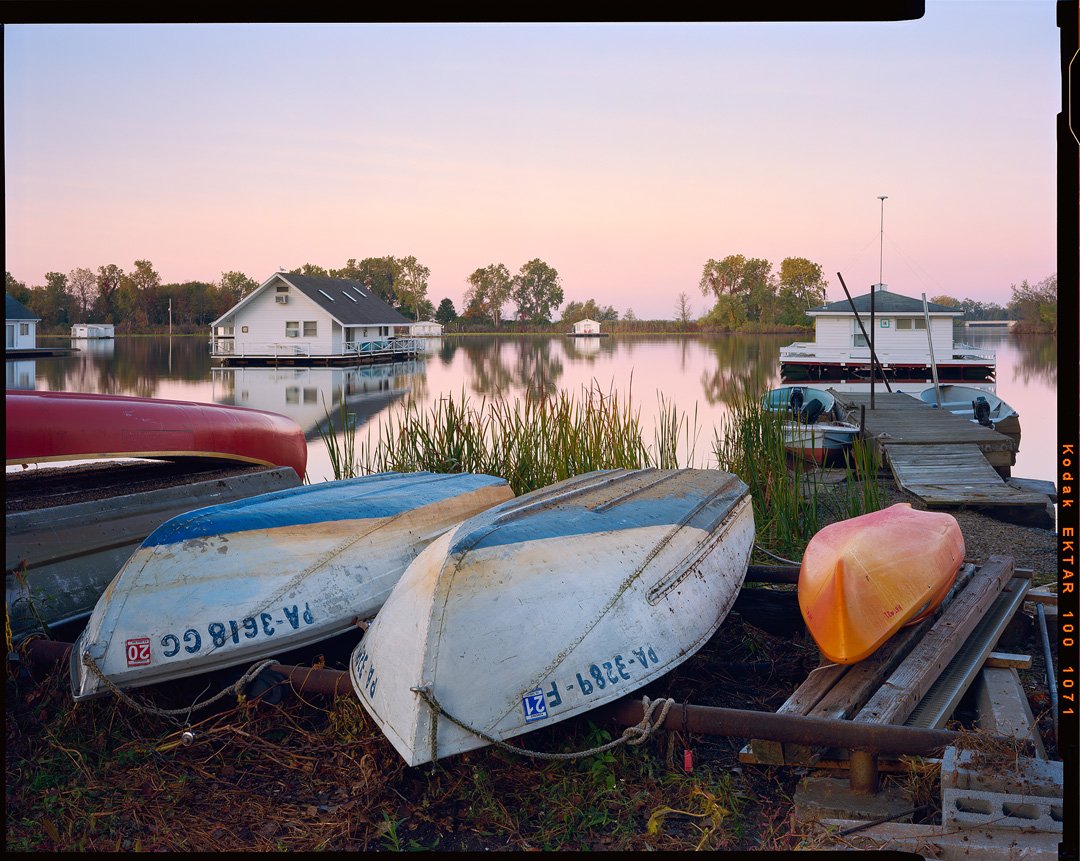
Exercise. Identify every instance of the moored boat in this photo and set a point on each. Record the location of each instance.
(975, 404)
(231, 584)
(826, 443)
(63, 426)
(798, 400)
(863, 579)
(551, 605)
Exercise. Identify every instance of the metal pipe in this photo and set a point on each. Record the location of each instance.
(794, 729)
(930, 341)
(772, 574)
(1051, 676)
(858, 319)
(873, 365)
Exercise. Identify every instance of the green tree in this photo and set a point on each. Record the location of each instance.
(52, 302)
(947, 301)
(411, 286)
(723, 277)
(537, 291)
(759, 288)
(800, 285)
(107, 283)
(588, 310)
(82, 287)
(377, 274)
(1036, 305)
(446, 312)
(233, 287)
(311, 269)
(138, 299)
(489, 290)
(16, 289)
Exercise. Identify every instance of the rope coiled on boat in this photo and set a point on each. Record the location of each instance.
(236, 688)
(632, 735)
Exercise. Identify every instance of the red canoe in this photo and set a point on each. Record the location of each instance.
(44, 426)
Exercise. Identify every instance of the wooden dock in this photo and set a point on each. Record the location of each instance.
(945, 460)
(901, 420)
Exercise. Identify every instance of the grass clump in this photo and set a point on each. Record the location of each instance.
(532, 443)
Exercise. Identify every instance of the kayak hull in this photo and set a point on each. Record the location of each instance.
(60, 426)
(863, 579)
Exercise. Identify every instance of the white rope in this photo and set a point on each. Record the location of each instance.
(633, 735)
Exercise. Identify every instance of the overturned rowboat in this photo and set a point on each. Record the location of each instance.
(235, 583)
(865, 578)
(551, 605)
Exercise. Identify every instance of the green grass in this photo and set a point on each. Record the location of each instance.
(532, 443)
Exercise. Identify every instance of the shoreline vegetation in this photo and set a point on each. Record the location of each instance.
(742, 295)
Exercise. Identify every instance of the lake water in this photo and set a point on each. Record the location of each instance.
(694, 373)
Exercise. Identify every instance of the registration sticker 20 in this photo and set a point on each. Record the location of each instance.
(138, 652)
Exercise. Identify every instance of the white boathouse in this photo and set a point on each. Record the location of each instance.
(304, 319)
(587, 329)
(840, 351)
(20, 325)
(426, 329)
(93, 330)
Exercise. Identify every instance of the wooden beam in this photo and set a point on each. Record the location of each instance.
(902, 691)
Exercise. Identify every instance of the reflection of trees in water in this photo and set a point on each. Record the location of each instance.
(499, 365)
(135, 367)
(743, 363)
(489, 375)
(537, 371)
(1036, 359)
(447, 349)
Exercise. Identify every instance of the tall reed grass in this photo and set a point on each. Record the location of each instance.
(539, 441)
(531, 443)
(792, 500)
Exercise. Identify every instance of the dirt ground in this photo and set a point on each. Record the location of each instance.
(311, 773)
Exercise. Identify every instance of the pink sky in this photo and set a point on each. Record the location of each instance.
(624, 156)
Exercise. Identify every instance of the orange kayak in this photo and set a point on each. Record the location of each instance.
(865, 578)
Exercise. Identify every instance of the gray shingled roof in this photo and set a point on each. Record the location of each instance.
(884, 303)
(16, 310)
(349, 302)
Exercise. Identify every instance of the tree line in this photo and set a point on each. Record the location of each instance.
(1033, 306)
(746, 295)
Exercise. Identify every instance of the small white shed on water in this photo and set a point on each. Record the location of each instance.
(587, 329)
(93, 330)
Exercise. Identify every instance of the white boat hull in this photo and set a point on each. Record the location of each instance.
(236, 583)
(552, 605)
(822, 442)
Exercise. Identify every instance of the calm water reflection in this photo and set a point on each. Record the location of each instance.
(693, 373)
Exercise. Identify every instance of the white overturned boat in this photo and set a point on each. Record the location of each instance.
(234, 583)
(553, 604)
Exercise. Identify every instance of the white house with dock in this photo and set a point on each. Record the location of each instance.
(20, 325)
(904, 346)
(304, 319)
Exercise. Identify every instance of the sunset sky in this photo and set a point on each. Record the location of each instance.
(623, 155)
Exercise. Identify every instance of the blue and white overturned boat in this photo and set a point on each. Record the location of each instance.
(235, 583)
(551, 605)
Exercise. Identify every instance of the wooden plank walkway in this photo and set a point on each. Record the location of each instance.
(953, 476)
(901, 420)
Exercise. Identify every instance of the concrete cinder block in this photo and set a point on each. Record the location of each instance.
(1027, 776)
(971, 808)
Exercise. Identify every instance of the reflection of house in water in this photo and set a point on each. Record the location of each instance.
(20, 374)
(102, 347)
(307, 395)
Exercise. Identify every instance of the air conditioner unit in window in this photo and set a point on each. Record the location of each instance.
(282, 299)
